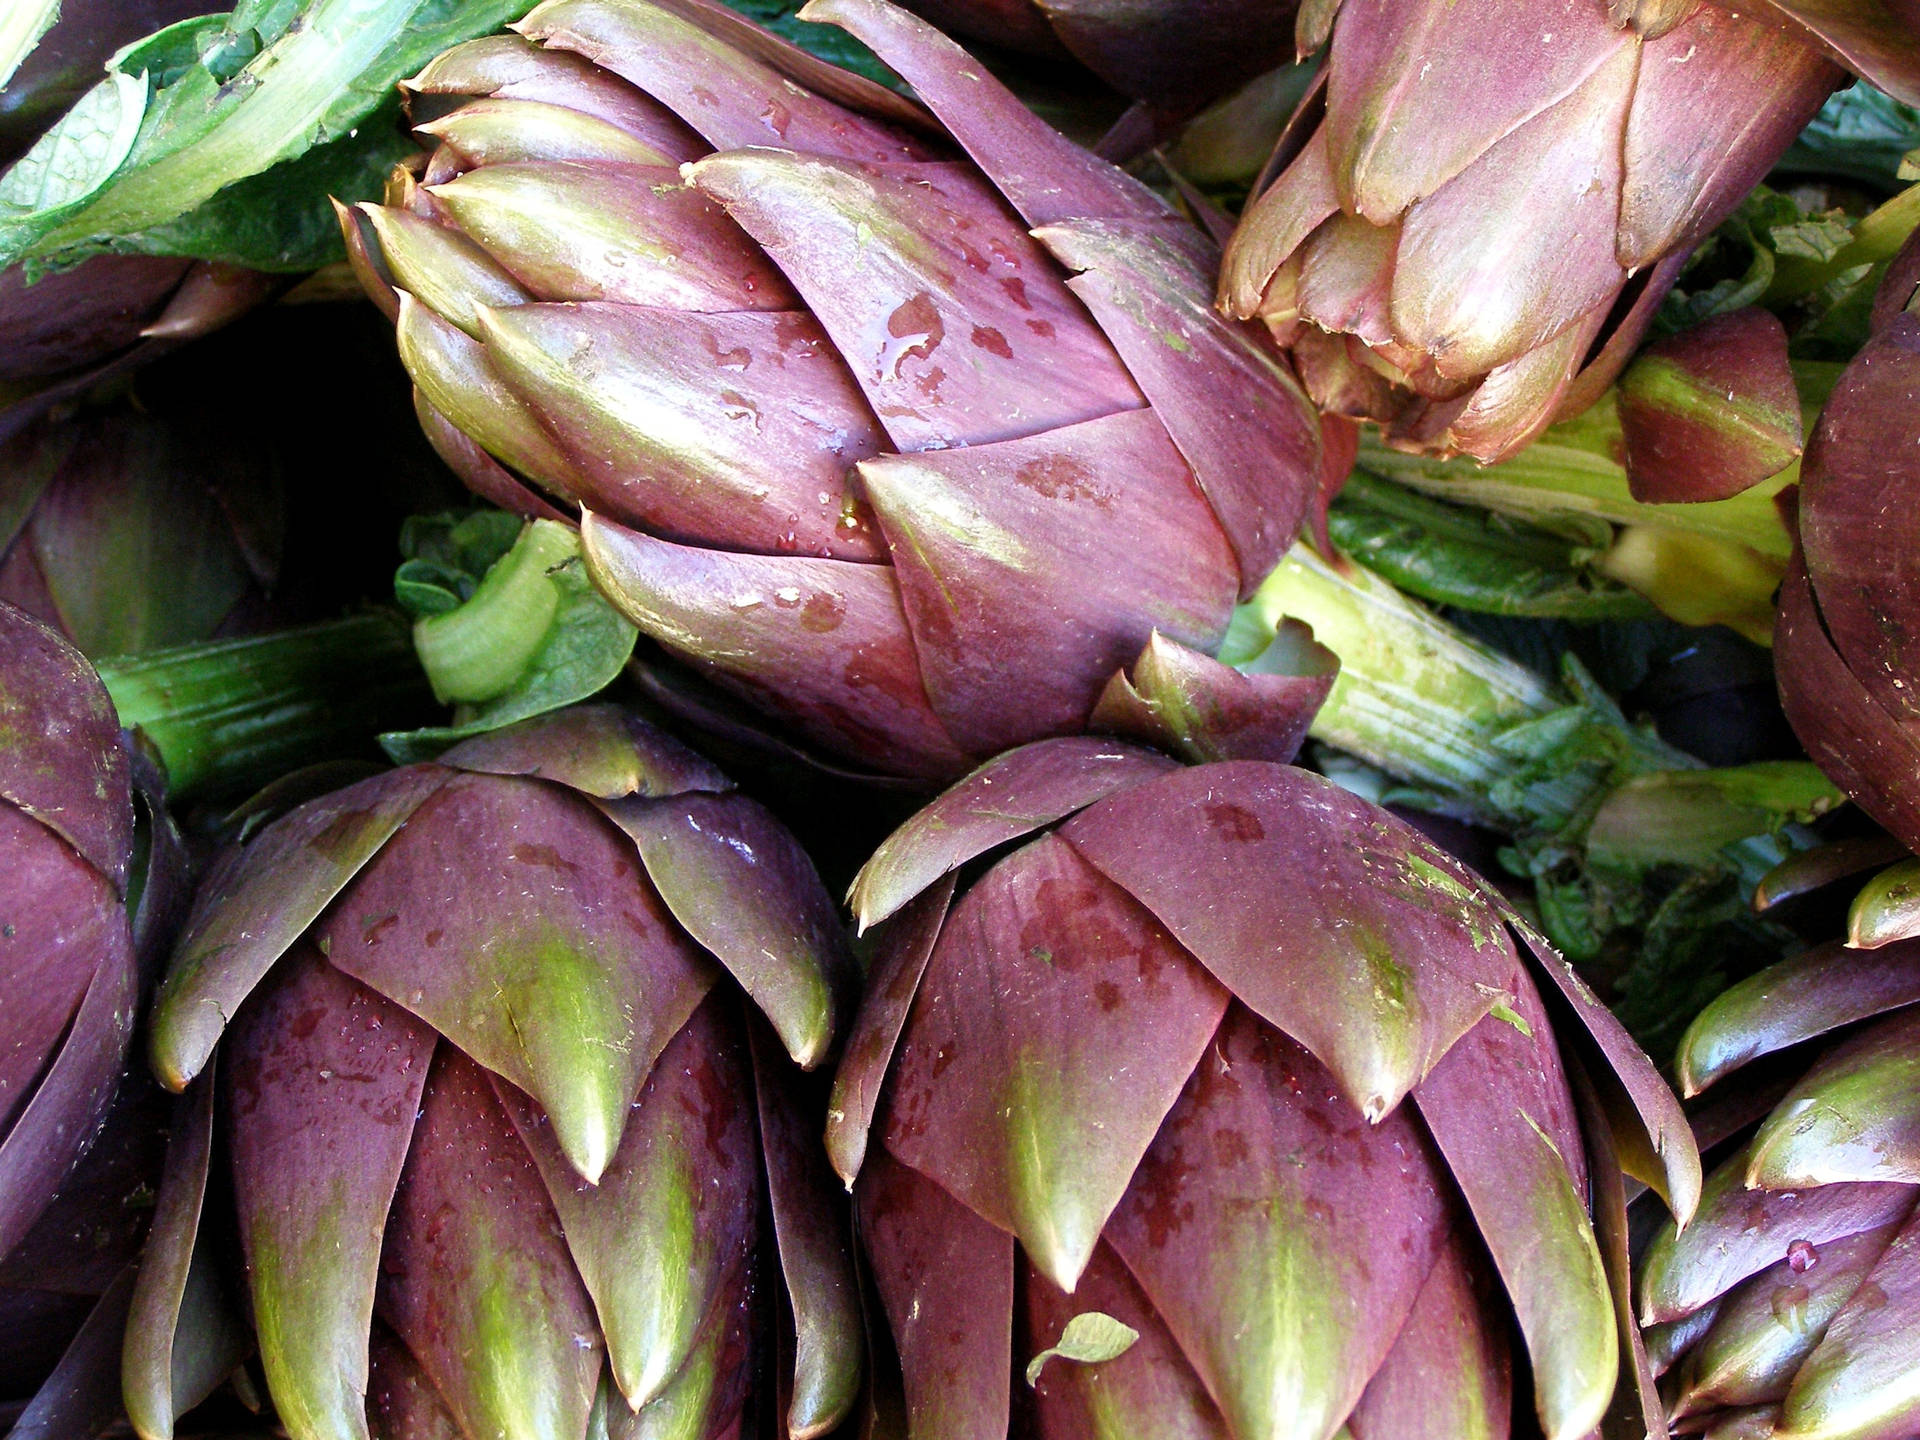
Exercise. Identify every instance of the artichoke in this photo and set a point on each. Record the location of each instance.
(498, 1129)
(89, 880)
(1478, 209)
(128, 532)
(1249, 1066)
(844, 435)
(92, 877)
(1847, 679)
(1789, 1306)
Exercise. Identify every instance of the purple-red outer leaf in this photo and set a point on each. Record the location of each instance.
(401, 1403)
(1499, 1108)
(600, 750)
(1740, 1232)
(1450, 1371)
(1418, 90)
(1806, 995)
(727, 77)
(260, 904)
(1339, 924)
(177, 1331)
(81, 1398)
(1032, 569)
(1193, 705)
(1863, 749)
(325, 1079)
(735, 429)
(945, 1277)
(674, 1216)
(1232, 407)
(1044, 175)
(1056, 1025)
(1011, 795)
(60, 755)
(1852, 1116)
(1857, 492)
(60, 922)
(955, 323)
(893, 980)
(813, 1230)
(514, 919)
(739, 883)
(1718, 99)
(75, 1093)
(822, 642)
(1711, 411)
(1861, 1380)
(1281, 1236)
(476, 1279)
(1650, 1130)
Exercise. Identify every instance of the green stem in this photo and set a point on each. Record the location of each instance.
(229, 715)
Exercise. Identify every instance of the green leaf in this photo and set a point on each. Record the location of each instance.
(1472, 559)
(583, 649)
(234, 98)
(1089, 1339)
(1860, 133)
(76, 157)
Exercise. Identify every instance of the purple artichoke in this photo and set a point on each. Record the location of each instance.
(1478, 209)
(1851, 599)
(67, 939)
(1789, 1307)
(90, 877)
(129, 533)
(1251, 1067)
(913, 436)
(497, 1113)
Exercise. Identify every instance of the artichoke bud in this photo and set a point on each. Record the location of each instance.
(1210, 1052)
(909, 435)
(498, 1164)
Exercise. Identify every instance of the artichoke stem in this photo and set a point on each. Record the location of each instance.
(226, 716)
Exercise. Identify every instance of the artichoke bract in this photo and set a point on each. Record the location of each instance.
(504, 1132)
(77, 905)
(912, 436)
(1790, 1305)
(1477, 210)
(1241, 1061)
(1849, 603)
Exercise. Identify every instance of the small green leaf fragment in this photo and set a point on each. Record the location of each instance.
(1506, 1014)
(1090, 1338)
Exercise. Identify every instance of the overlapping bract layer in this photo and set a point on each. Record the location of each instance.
(66, 938)
(1479, 208)
(1850, 605)
(911, 436)
(1246, 1063)
(498, 1118)
(1789, 1307)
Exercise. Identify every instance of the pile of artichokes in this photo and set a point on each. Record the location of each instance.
(1331, 583)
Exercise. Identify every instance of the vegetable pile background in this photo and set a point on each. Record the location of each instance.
(960, 720)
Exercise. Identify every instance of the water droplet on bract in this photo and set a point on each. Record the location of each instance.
(1802, 1256)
